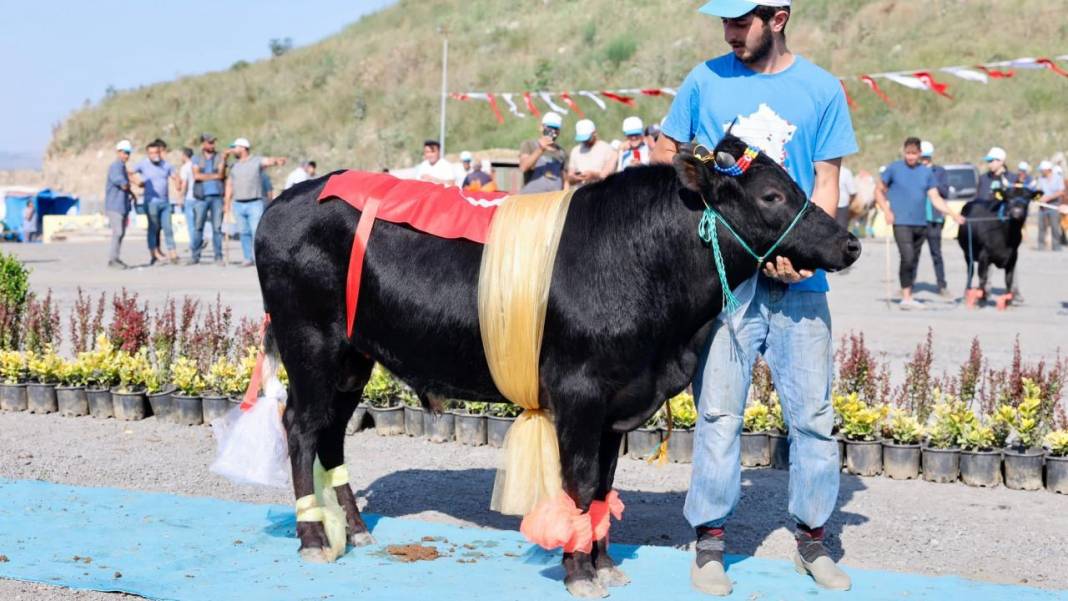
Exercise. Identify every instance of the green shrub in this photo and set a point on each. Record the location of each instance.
(14, 288)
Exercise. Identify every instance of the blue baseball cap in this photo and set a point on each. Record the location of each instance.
(732, 9)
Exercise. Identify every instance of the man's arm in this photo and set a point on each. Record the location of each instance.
(273, 161)
(206, 177)
(883, 203)
(609, 166)
(825, 191)
(940, 204)
(228, 196)
(665, 150)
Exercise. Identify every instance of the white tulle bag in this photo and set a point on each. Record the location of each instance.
(252, 447)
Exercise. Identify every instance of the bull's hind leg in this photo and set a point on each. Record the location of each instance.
(579, 433)
(607, 572)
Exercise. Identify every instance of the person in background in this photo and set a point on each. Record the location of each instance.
(936, 221)
(209, 173)
(117, 196)
(155, 175)
(847, 192)
(305, 172)
(652, 134)
(185, 193)
(542, 161)
(996, 177)
(464, 168)
(245, 193)
(479, 180)
(634, 151)
(592, 159)
(1052, 186)
(434, 168)
(1023, 175)
(268, 187)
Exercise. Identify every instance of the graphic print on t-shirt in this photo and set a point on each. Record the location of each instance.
(766, 130)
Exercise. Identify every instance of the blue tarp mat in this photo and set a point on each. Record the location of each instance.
(163, 546)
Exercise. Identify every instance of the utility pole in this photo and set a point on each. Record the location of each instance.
(444, 87)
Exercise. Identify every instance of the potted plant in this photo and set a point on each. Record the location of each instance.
(778, 435)
(188, 407)
(683, 420)
(1023, 460)
(860, 426)
(441, 426)
(12, 381)
(101, 365)
(238, 385)
(382, 400)
(901, 449)
(941, 455)
(644, 442)
(980, 463)
(44, 371)
(160, 403)
(128, 397)
(756, 421)
(498, 420)
(470, 417)
(70, 393)
(414, 425)
(1057, 462)
(216, 398)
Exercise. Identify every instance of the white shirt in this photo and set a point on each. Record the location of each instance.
(185, 173)
(847, 187)
(441, 171)
(295, 177)
(627, 153)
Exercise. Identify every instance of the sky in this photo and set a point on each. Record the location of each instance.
(55, 54)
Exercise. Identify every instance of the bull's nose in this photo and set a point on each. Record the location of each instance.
(853, 248)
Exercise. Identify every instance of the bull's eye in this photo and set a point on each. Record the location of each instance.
(772, 197)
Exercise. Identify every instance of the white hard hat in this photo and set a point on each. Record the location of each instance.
(552, 120)
(242, 142)
(1024, 166)
(996, 154)
(926, 149)
(465, 156)
(633, 126)
(1045, 166)
(125, 146)
(584, 129)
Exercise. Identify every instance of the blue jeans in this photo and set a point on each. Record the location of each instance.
(792, 329)
(213, 205)
(159, 216)
(248, 215)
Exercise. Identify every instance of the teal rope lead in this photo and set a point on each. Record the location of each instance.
(707, 231)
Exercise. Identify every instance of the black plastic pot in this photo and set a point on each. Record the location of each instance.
(439, 427)
(864, 457)
(1057, 474)
(358, 421)
(779, 445)
(413, 421)
(470, 429)
(41, 398)
(72, 401)
(497, 429)
(901, 461)
(389, 421)
(129, 406)
(215, 406)
(162, 405)
(1023, 469)
(188, 410)
(100, 404)
(980, 468)
(680, 446)
(643, 443)
(941, 465)
(13, 397)
(756, 452)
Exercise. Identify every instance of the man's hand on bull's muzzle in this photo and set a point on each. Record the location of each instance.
(783, 270)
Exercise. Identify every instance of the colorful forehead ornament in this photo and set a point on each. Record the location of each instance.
(741, 166)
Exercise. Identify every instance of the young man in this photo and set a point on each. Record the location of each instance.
(245, 193)
(185, 192)
(209, 173)
(1052, 187)
(634, 151)
(117, 197)
(542, 161)
(303, 173)
(936, 221)
(155, 175)
(796, 113)
(902, 196)
(593, 159)
(434, 168)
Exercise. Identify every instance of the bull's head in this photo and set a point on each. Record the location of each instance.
(757, 197)
(1015, 200)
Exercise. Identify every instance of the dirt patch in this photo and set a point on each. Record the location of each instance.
(413, 552)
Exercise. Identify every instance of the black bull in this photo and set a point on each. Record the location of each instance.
(993, 233)
(633, 296)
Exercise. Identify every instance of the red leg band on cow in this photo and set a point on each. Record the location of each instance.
(601, 513)
(556, 523)
(359, 248)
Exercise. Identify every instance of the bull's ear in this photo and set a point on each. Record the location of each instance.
(691, 171)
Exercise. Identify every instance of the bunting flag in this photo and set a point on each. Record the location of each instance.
(849, 99)
(593, 98)
(627, 100)
(552, 105)
(932, 84)
(496, 110)
(995, 73)
(968, 74)
(530, 105)
(512, 108)
(566, 97)
(870, 82)
(1052, 66)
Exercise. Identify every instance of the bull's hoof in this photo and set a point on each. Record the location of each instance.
(972, 297)
(1003, 301)
(612, 576)
(317, 555)
(586, 589)
(361, 539)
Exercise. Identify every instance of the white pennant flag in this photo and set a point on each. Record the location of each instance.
(969, 74)
(511, 105)
(669, 91)
(552, 105)
(906, 80)
(596, 100)
(1026, 63)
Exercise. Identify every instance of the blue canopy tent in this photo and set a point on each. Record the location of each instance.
(45, 202)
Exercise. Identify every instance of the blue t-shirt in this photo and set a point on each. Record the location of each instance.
(155, 176)
(797, 117)
(906, 188)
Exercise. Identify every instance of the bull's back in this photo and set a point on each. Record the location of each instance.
(985, 234)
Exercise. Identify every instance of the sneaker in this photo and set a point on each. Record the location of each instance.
(117, 264)
(910, 305)
(812, 559)
(707, 574)
(192, 262)
(248, 264)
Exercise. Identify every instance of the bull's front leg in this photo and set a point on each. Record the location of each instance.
(578, 430)
(984, 278)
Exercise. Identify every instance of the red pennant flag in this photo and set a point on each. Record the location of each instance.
(652, 92)
(571, 104)
(870, 82)
(456, 96)
(935, 86)
(530, 104)
(849, 99)
(995, 73)
(496, 110)
(1052, 66)
(627, 100)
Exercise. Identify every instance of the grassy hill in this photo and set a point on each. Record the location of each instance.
(367, 96)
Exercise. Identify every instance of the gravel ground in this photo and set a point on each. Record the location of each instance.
(995, 535)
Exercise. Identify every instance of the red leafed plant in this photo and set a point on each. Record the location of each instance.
(247, 334)
(187, 326)
(41, 327)
(164, 337)
(215, 333)
(84, 324)
(129, 322)
(857, 370)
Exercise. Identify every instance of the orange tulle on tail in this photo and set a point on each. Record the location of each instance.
(558, 523)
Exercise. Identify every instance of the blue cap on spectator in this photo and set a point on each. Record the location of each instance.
(732, 9)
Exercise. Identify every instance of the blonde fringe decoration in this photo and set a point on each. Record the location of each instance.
(513, 293)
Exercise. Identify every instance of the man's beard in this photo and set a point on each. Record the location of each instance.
(763, 49)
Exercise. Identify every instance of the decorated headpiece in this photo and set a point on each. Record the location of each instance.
(726, 164)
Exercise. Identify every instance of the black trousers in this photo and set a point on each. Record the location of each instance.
(909, 240)
(934, 243)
